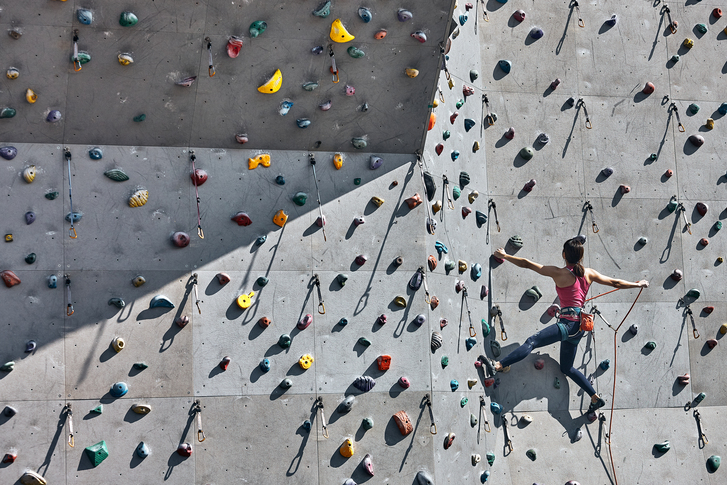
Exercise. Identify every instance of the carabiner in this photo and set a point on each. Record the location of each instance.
(211, 70)
(503, 334)
(334, 69)
(581, 23)
(491, 203)
(198, 412)
(72, 233)
(321, 305)
(69, 418)
(702, 436)
(445, 189)
(69, 307)
(588, 123)
(319, 405)
(433, 426)
(508, 441)
(196, 293)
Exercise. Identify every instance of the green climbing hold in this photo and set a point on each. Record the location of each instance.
(473, 420)
(651, 345)
(359, 142)
(448, 266)
(527, 153)
(257, 28)
(463, 402)
(52, 195)
(532, 454)
(490, 457)
(31, 258)
(675, 58)
(98, 409)
(446, 135)
(284, 341)
(7, 113)
(460, 103)
(367, 423)
(516, 241)
(300, 198)
(713, 463)
(357, 181)
(262, 281)
(701, 28)
(445, 361)
(663, 447)
(364, 341)
(693, 108)
(717, 226)
(355, 52)
(97, 453)
(141, 365)
(128, 19)
(485, 328)
(556, 383)
(116, 174)
(456, 192)
(474, 75)
(310, 86)
(672, 205)
(140, 118)
(83, 57)
(653, 156)
(323, 10)
(534, 293)
(7, 366)
(693, 293)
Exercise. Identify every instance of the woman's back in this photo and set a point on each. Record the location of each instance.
(573, 295)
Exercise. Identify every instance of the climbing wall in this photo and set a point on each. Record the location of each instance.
(202, 372)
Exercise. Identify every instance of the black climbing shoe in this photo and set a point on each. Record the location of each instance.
(596, 405)
(489, 365)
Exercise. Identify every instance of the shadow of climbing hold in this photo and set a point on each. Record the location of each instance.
(339, 33)
(29, 174)
(273, 84)
(180, 239)
(161, 301)
(505, 66)
(119, 389)
(139, 197)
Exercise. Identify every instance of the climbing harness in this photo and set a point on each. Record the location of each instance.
(683, 210)
(211, 70)
(193, 157)
(196, 293)
(318, 193)
(198, 415)
(69, 307)
(581, 23)
(319, 406)
(508, 441)
(431, 223)
(321, 305)
(486, 107)
(465, 304)
(428, 402)
(585, 111)
(76, 60)
(69, 420)
(483, 414)
(445, 189)
(673, 107)
(496, 313)
(334, 69)
(700, 427)
(491, 205)
(689, 312)
(665, 10)
(72, 231)
(588, 207)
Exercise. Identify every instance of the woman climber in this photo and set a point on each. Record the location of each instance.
(571, 284)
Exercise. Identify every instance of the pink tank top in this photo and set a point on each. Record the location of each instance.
(575, 294)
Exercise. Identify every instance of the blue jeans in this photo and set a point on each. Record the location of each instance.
(568, 348)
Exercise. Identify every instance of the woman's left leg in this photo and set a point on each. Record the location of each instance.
(567, 357)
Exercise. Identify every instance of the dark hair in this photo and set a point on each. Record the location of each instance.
(573, 250)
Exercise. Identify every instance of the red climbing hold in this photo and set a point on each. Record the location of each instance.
(539, 364)
(199, 175)
(414, 201)
(434, 302)
(242, 219)
(489, 381)
(510, 133)
(468, 6)
(225, 362)
(181, 321)
(381, 319)
(180, 239)
(717, 13)
(529, 186)
(361, 259)
(222, 278)
(467, 90)
(465, 212)
(305, 321)
(704, 241)
(519, 15)
(453, 117)
(624, 189)
(184, 449)
(555, 84)
(384, 362)
(708, 309)
(677, 275)
(10, 278)
(264, 322)
(404, 382)
(669, 172)
(702, 208)
(439, 149)
(648, 88)
(432, 263)
(432, 121)
(10, 457)
(234, 44)
(711, 343)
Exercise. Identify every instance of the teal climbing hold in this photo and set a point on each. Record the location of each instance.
(468, 124)
(722, 109)
(323, 10)
(97, 453)
(359, 142)
(280, 180)
(84, 15)
(52, 195)
(7, 112)
(717, 226)
(128, 19)
(440, 247)
(701, 28)
(141, 365)
(651, 345)
(257, 28)
(505, 65)
(485, 328)
(262, 281)
(364, 342)
(98, 409)
(303, 122)
(355, 52)
(532, 454)
(300, 198)
(76, 216)
(495, 408)
(464, 179)
(367, 423)
(142, 450)
(140, 118)
(161, 301)
(490, 458)
(693, 108)
(459, 103)
(445, 361)
(116, 174)
(463, 402)
(476, 271)
(713, 463)
(663, 447)
(605, 364)
(693, 293)
(95, 153)
(447, 134)
(365, 14)
(284, 341)
(454, 384)
(455, 155)
(456, 192)
(470, 342)
(31, 258)
(119, 389)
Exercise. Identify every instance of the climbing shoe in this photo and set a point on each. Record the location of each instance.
(596, 405)
(489, 364)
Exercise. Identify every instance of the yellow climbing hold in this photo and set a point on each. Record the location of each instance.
(139, 198)
(710, 124)
(411, 72)
(280, 218)
(273, 84)
(435, 103)
(306, 361)
(723, 329)
(688, 43)
(30, 477)
(125, 59)
(141, 409)
(30, 96)
(263, 158)
(29, 174)
(244, 301)
(118, 344)
(346, 449)
(339, 33)
(462, 266)
(378, 201)
(437, 206)
(338, 161)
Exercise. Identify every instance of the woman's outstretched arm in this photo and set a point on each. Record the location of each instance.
(597, 277)
(551, 271)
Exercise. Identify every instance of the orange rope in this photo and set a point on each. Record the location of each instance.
(594, 297)
(613, 392)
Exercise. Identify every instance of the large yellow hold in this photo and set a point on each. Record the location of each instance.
(346, 449)
(244, 301)
(273, 85)
(306, 361)
(339, 33)
(139, 198)
(263, 158)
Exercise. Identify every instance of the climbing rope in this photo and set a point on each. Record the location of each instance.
(76, 60)
(69, 307)
(321, 305)
(445, 189)
(211, 70)
(683, 210)
(483, 415)
(198, 415)
(334, 69)
(319, 406)
(433, 426)
(193, 157)
(318, 193)
(72, 230)
(588, 207)
(69, 420)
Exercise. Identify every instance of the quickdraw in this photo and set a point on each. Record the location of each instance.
(69, 420)
(319, 407)
(321, 305)
(687, 224)
(585, 111)
(193, 157)
(700, 428)
(588, 207)
(688, 311)
(334, 69)
(76, 60)
(486, 105)
(497, 314)
(508, 441)
(431, 223)
(665, 10)
(484, 11)
(72, 231)
(673, 107)
(428, 402)
(581, 23)
(465, 304)
(427, 298)
(483, 414)
(445, 189)
(198, 416)
(211, 70)
(491, 205)
(69, 306)
(196, 293)
(441, 94)
(318, 193)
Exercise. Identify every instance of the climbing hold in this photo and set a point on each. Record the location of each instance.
(142, 450)
(75, 216)
(181, 321)
(364, 383)
(713, 463)
(420, 320)
(234, 44)
(305, 361)
(624, 189)
(468, 124)
(696, 140)
(453, 117)
(495, 347)
(717, 13)
(375, 162)
(505, 65)
(449, 266)
(98, 409)
(462, 266)
(285, 106)
(467, 91)
(607, 172)
(709, 124)
(539, 364)
(413, 201)
(534, 293)
(642, 241)
(140, 118)
(462, 19)
(10, 278)
(241, 138)
(242, 219)
(262, 281)
(412, 73)
(519, 15)
(448, 440)
(12, 73)
(380, 34)
(140, 365)
(161, 301)
(97, 453)
(323, 10)
(693, 293)
(31, 258)
(257, 28)
(420, 36)
(128, 19)
(119, 389)
(305, 322)
(179, 238)
(469, 343)
(634, 329)
(144, 409)
(303, 122)
(553, 310)
(125, 59)
(30, 96)
(381, 319)
(117, 302)
(475, 146)
(368, 464)
(688, 43)
(186, 82)
(8, 152)
(510, 133)
(432, 262)
(271, 86)
(339, 33)
(648, 88)
(52, 281)
(286, 384)
(7, 366)
(536, 33)
(677, 275)
(495, 408)
(347, 404)
(476, 271)
(404, 382)
(693, 108)
(359, 142)
(8, 113)
(139, 197)
(651, 345)
(446, 134)
(459, 285)
(543, 139)
(300, 198)
(605, 364)
(367, 423)
(357, 53)
(702, 208)
(454, 384)
(184, 449)
(280, 218)
(9, 411)
(704, 241)
(701, 28)
(8, 238)
(527, 153)
(532, 454)
(456, 192)
(516, 241)
(365, 14)
(325, 106)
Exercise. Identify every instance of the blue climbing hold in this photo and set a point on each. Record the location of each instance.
(536, 33)
(365, 14)
(605, 364)
(470, 342)
(95, 153)
(280, 180)
(485, 476)
(505, 65)
(8, 153)
(161, 301)
(343, 322)
(54, 116)
(303, 122)
(455, 155)
(454, 384)
(468, 124)
(495, 408)
(76, 216)
(285, 107)
(440, 247)
(261, 240)
(265, 365)
(722, 109)
(85, 16)
(476, 271)
(142, 450)
(307, 425)
(462, 19)
(52, 281)
(29, 217)
(119, 389)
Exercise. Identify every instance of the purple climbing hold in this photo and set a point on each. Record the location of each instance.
(484, 292)
(529, 186)
(696, 140)
(404, 382)
(54, 116)
(305, 322)
(510, 133)
(361, 259)
(8, 153)
(29, 217)
(404, 15)
(536, 33)
(364, 383)
(416, 280)
(607, 172)
(375, 162)
(381, 320)
(420, 320)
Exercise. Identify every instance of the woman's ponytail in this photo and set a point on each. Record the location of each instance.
(573, 251)
(578, 270)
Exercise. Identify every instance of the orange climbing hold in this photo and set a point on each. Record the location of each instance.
(432, 121)
(384, 362)
(414, 201)
(280, 218)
